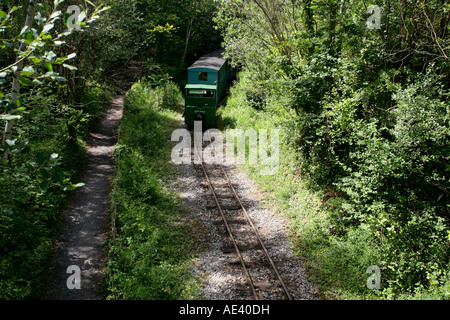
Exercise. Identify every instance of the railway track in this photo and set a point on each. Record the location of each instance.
(263, 279)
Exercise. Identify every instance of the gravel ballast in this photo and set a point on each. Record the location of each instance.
(222, 278)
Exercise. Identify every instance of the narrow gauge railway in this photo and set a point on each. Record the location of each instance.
(263, 280)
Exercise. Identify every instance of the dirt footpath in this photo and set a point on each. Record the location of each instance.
(81, 242)
(84, 230)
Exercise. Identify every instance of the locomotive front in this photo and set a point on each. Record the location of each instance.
(207, 79)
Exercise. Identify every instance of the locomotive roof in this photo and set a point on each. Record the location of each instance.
(213, 60)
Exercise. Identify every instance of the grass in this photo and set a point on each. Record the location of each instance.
(151, 256)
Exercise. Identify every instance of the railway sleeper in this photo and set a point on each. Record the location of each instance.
(224, 196)
(231, 207)
(266, 285)
(254, 264)
(230, 248)
(223, 185)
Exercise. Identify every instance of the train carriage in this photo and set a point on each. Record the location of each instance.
(207, 80)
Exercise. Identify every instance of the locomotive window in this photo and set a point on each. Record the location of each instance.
(209, 94)
(203, 76)
(201, 93)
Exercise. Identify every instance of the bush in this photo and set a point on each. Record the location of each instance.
(379, 179)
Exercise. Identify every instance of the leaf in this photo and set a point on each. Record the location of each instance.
(69, 67)
(3, 14)
(3, 74)
(28, 71)
(44, 7)
(49, 66)
(37, 82)
(71, 56)
(29, 37)
(49, 55)
(37, 43)
(57, 2)
(90, 3)
(81, 16)
(94, 18)
(48, 27)
(72, 187)
(11, 143)
(55, 15)
(8, 211)
(59, 78)
(24, 29)
(44, 186)
(60, 176)
(103, 9)
(44, 173)
(25, 81)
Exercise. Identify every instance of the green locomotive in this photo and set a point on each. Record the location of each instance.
(208, 78)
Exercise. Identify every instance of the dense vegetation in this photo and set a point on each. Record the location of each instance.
(151, 253)
(55, 77)
(363, 111)
(44, 122)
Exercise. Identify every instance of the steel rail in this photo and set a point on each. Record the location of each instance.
(256, 233)
(233, 240)
(274, 268)
(250, 280)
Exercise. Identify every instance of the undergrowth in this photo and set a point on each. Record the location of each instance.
(150, 256)
(36, 184)
(338, 237)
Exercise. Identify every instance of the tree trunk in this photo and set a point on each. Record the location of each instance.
(16, 84)
(188, 36)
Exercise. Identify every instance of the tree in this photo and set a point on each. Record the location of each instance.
(34, 52)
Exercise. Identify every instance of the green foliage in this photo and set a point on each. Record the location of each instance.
(365, 122)
(36, 184)
(53, 85)
(41, 151)
(151, 254)
(174, 33)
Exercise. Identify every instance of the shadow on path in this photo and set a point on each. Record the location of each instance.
(84, 230)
